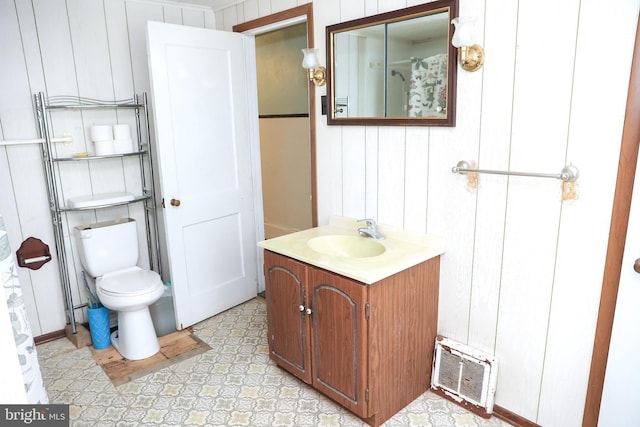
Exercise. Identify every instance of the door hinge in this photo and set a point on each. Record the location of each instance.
(366, 395)
(366, 311)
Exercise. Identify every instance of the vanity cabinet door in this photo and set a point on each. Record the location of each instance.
(339, 339)
(287, 321)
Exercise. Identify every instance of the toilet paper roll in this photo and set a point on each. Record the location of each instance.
(101, 133)
(122, 139)
(121, 132)
(122, 146)
(104, 148)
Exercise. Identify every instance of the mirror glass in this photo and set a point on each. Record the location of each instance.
(396, 68)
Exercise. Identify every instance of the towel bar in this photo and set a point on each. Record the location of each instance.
(568, 173)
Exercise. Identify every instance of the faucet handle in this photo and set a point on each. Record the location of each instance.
(370, 222)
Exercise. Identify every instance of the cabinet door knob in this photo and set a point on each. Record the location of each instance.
(308, 311)
(301, 307)
(636, 266)
(175, 202)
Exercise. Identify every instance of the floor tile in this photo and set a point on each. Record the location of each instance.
(233, 384)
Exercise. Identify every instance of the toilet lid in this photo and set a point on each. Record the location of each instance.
(131, 281)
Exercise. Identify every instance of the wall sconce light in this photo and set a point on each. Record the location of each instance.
(470, 56)
(317, 73)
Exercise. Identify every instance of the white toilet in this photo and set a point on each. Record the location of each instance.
(109, 253)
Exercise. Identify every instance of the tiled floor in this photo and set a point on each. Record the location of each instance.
(234, 384)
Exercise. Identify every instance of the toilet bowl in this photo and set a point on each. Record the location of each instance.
(109, 253)
(130, 292)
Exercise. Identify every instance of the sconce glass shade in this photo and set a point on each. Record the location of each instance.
(317, 73)
(310, 59)
(463, 34)
(470, 55)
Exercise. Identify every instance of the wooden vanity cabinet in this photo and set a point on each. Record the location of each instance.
(367, 347)
(287, 323)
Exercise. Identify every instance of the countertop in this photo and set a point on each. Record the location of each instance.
(403, 249)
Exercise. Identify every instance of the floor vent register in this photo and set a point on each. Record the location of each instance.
(464, 375)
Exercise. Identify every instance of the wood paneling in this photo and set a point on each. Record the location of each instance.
(119, 50)
(90, 48)
(522, 271)
(526, 288)
(520, 268)
(416, 177)
(353, 182)
(571, 325)
(371, 155)
(391, 164)
(492, 191)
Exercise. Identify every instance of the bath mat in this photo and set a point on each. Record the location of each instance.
(174, 347)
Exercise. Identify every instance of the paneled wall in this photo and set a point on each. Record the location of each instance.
(89, 48)
(522, 274)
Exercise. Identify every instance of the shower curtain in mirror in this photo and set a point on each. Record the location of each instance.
(27, 356)
(428, 93)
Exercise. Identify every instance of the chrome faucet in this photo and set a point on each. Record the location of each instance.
(370, 230)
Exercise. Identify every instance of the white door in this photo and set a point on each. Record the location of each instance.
(205, 110)
(620, 404)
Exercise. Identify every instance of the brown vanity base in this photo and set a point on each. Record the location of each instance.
(367, 347)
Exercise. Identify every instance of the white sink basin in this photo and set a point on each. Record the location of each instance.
(338, 248)
(346, 246)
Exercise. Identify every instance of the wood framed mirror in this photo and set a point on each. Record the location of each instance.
(397, 68)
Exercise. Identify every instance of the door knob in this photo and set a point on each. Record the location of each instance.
(636, 265)
(175, 202)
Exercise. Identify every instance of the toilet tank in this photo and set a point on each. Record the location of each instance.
(107, 246)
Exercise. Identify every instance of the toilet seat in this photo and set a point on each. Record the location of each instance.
(130, 282)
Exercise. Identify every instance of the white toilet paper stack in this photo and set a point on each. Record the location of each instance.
(102, 137)
(122, 139)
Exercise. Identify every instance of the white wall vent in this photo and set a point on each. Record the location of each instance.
(465, 375)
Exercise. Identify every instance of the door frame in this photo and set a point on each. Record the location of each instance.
(281, 20)
(617, 239)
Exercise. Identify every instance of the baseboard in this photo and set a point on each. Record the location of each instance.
(80, 339)
(51, 336)
(512, 418)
